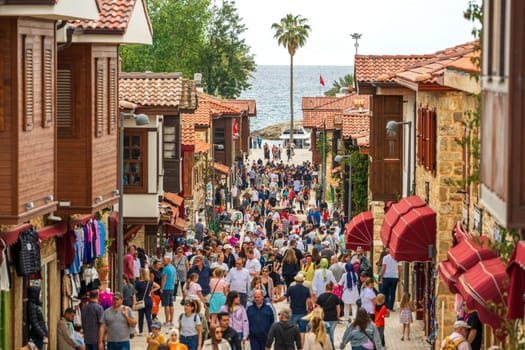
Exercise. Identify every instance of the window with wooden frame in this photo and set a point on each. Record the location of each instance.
(100, 93)
(135, 161)
(170, 140)
(28, 84)
(426, 138)
(47, 82)
(218, 137)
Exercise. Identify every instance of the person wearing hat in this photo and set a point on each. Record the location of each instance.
(229, 257)
(458, 338)
(300, 302)
(326, 252)
(155, 338)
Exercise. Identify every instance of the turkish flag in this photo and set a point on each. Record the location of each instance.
(321, 80)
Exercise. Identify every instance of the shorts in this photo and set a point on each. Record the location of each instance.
(298, 319)
(166, 298)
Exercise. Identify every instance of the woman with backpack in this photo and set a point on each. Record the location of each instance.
(190, 325)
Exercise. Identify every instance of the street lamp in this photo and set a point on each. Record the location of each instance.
(140, 119)
(391, 129)
(338, 159)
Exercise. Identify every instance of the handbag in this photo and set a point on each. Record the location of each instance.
(371, 341)
(139, 305)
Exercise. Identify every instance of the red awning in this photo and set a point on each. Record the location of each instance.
(459, 233)
(469, 252)
(482, 284)
(359, 232)
(51, 231)
(408, 229)
(516, 272)
(449, 275)
(11, 236)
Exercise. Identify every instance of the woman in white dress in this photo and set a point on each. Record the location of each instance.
(322, 277)
(350, 292)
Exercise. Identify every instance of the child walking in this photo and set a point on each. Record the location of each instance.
(405, 315)
(380, 313)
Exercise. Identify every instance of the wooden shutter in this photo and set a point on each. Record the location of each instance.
(427, 116)
(99, 86)
(28, 84)
(432, 140)
(419, 137)
(64, 104)
(424, 138)
(47, 88)
(112, 105)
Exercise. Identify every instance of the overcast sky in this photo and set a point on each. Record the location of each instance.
(387, 27)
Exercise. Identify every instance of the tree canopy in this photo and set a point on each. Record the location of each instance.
(195, 36)
(344, 82)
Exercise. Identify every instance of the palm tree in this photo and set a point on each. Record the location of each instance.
(345, 82)
(291, 32)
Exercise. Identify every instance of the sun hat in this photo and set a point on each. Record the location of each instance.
(228, 246)
(156, 324)
(461, 324)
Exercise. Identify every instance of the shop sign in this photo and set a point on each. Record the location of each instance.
(478, 220)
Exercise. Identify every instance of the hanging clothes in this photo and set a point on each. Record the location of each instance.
(102, 230)
(4, 269)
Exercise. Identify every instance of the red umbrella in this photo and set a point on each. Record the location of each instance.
(359, 231)
(516, 272)
(482, 284)
(408, 229)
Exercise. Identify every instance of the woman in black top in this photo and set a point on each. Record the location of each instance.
(144, 287)
(331, 307)
(290, 266)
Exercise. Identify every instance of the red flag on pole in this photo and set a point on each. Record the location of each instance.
(321, 80)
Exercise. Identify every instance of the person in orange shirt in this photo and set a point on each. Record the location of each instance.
(173, 341)
(380, 313)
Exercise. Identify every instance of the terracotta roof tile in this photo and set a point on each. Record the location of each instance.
(173, 198)
(329, 113)
(221, 168)
(355, 123)
(363, 142)
(151, 89)
(244, 105)
(201, 146)
(218, 105)
(200, 116)
(432, 70)
(187, 134)
(114, 16)
(315, 101)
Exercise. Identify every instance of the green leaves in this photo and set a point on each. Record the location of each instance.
(344, 82)
(194, 36)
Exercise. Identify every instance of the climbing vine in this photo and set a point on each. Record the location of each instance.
(359, 179)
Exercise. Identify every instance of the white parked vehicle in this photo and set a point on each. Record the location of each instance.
(301, 138)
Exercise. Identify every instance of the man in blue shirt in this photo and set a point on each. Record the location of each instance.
(204, 273)
(260, 319)
(167, 286)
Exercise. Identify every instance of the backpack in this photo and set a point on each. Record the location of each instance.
(452, 345)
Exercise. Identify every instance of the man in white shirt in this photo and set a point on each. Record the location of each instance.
(390, 276)
(458, 337)
(238, 279)
(254, 196)
(252, 264)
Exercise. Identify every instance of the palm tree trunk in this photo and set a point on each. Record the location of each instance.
(291, 100)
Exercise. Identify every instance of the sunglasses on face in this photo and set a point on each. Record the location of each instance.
(218, 332)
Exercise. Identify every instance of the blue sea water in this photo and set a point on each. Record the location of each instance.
(271, 90)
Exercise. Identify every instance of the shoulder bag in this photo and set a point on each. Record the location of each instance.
(371, 340)
(139, 305)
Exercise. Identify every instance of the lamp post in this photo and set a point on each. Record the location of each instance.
(140, 119)
(338, 159)
(391, 128)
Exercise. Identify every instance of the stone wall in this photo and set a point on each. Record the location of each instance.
(443, 196)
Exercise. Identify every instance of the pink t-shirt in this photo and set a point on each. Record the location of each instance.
(128, 259)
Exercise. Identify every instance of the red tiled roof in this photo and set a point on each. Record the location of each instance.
(432, 70)
(218, 105)
(201, 146)
(316, 101)
(355, 124)
(200, 116)
(187, 134)
(114, 17)
(151, 89)
(249, 106)
(221, 168)
(329, 113)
